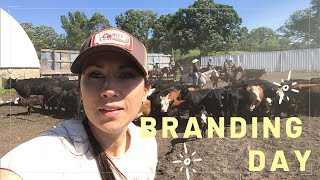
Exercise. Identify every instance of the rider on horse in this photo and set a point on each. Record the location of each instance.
(171, 64)
(157, 69)
(227, 68)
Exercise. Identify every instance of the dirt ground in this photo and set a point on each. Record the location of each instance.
(210, 158)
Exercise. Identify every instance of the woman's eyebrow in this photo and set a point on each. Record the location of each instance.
(96, 65)
(126, 66)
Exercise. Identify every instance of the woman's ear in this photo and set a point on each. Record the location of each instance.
(146, 91)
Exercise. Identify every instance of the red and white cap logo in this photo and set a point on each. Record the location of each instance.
(113, 37)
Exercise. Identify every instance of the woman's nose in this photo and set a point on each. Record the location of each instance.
(110, 88)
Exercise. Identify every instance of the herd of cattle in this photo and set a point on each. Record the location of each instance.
(244, 98)
(56, 92)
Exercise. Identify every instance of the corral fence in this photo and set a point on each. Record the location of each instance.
(58, 62)
(275, 61)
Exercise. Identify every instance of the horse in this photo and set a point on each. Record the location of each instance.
(173, 71)
(204, 77)
(216, 75)
(153, 72)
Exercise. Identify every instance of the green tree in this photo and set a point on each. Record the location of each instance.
(206, 26)
(161, 40)
(42, 37)
(139, 23)
(263, 39)
(303, 27)
(78, 27)
(242, 41)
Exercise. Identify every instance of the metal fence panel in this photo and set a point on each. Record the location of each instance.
(275, 61)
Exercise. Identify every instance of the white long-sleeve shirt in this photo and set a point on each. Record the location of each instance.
(64, 153)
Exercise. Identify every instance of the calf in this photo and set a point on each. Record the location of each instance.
(202, 118)
(32, 101)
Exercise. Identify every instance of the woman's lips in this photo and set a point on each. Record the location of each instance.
(111, 111)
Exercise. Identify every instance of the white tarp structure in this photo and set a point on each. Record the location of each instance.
(16, 49)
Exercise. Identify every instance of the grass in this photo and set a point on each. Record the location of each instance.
(3, 91)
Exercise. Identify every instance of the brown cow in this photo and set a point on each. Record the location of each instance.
(312, 88)
(31, 101)
(254, 97)
(145, 108)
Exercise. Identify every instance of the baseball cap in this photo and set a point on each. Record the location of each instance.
(111, 40)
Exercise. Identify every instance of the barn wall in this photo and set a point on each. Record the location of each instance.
(18, 73)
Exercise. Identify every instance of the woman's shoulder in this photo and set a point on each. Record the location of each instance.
(65, 143)
(68, 137)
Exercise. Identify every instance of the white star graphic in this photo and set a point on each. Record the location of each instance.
(283, 87)
(187, 161)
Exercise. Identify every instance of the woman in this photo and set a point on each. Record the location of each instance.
(112, 69)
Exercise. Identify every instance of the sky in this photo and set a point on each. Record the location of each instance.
(254, 13)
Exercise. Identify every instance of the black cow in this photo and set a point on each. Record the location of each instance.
(27, 87)
(288, 107)
(194, 98)
(232, 97)
(53, 96)
(254, 73)
(31, 101)
(213, 103)
(71, 102)
(315, 80)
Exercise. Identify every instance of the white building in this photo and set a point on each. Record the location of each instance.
(18, 58)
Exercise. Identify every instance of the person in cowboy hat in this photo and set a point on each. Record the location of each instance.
(195, 71)
(112, 69)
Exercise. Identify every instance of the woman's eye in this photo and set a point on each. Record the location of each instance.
(127, 75)
(96, 75)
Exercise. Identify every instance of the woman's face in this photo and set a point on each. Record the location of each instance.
(112, 90)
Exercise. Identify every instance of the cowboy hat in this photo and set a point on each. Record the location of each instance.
(195, 60)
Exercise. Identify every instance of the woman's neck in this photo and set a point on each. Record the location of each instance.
(113, 144)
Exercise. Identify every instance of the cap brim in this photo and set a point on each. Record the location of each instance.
(82, 59)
